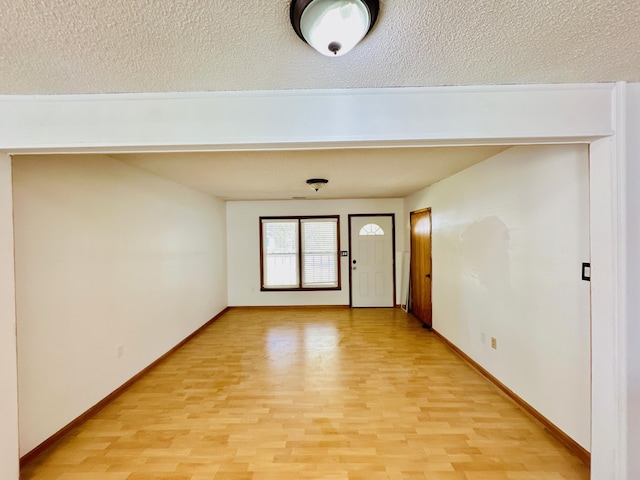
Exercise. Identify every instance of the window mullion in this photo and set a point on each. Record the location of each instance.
(300, 254)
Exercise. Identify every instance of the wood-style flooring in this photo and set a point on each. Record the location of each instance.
(301, 393)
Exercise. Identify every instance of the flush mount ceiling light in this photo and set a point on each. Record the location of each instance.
(317, 183)
(333, 27)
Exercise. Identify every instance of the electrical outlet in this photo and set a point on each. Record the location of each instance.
(494, 343)
(119, 351)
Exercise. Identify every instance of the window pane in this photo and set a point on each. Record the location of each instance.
(371, 229)
(280, 252)
(319, 253)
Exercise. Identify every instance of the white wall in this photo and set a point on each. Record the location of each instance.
(509, 237)
(8, 393)
(106, 255)
(243, 244)
(633, 277)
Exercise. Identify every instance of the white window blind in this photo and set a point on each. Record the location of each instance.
(280, 253)
(299, 253)
(319, 253)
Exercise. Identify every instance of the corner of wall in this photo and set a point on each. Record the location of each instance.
(8, 358)
(632, 204)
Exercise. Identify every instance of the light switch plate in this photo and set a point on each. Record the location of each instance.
(586, 272)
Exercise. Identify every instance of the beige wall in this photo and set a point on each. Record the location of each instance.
(8, 394)
(107, 255)
(509, 237)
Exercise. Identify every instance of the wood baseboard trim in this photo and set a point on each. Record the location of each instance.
(567, 441)
(299, 307)
(49, 442)
(287, 307)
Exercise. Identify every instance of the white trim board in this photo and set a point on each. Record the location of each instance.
(8, 358)
(291, 119)
(382, 117)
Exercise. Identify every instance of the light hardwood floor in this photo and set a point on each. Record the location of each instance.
(334, 393)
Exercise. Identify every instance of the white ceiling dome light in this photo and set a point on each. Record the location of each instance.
(317, 183)
(333, 27)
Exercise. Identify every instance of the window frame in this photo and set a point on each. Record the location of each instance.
(300, 253)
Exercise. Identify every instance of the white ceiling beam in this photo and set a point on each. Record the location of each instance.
(305, 119)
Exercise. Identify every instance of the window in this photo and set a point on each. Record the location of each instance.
(299, 253)
(371, 229)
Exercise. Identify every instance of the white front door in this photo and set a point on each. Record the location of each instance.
(372, 260)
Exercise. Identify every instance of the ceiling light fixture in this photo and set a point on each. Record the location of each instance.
(317, 183)
(333, 27)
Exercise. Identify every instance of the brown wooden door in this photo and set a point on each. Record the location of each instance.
(421, 265)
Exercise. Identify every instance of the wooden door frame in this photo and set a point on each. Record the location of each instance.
(411, 260)
(393, 251)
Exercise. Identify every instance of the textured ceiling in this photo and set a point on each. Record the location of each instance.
(93, 46)
(272, 175)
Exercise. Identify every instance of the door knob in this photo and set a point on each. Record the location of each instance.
(428, 275)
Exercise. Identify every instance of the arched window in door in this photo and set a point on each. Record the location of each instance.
(371, 229)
